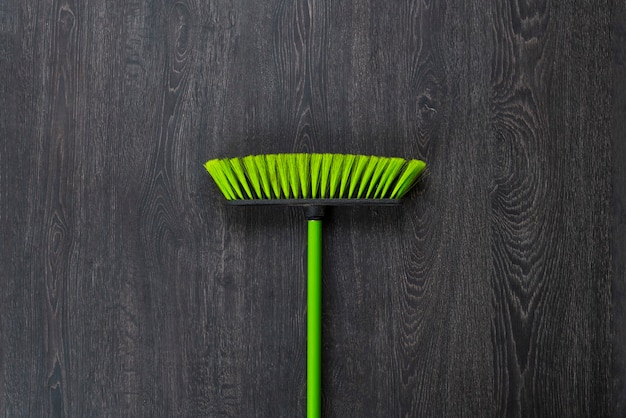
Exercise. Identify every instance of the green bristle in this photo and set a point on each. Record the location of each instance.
(367, 174)
(259, 161)
(407, 179)
(327, 161)
(272, 171)
(335, 175)
(214, 169)
(316, 164)
(304, 173)
(380, 167)
(294, 180)
(355, 176)
(238, 169)
(346, 169)
(253, 175)
(389, 175)
(231, 177)
(283, 174)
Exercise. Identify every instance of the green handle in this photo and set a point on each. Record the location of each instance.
(314, 321)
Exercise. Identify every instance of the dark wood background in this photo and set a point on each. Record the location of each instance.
(128, 288)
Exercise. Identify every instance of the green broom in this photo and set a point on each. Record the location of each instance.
(314, 181)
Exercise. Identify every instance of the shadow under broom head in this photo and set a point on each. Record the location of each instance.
(272, 178)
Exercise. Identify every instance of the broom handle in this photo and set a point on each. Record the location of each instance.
(314, 320)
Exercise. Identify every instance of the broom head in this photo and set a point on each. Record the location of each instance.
(306, 178)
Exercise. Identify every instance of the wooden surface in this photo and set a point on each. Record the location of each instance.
(130, 290)
(618, 210)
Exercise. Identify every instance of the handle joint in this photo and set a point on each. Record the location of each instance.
(314, 212)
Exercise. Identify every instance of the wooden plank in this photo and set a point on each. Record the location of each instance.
(157, 248)
(550, 199)
(618, 210)
(52, 212)
(21, 362)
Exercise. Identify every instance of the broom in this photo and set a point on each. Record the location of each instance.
(314, 181)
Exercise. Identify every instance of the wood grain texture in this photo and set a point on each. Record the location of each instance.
(131, 290)
(618, 210)
(546, 271)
